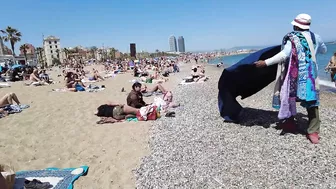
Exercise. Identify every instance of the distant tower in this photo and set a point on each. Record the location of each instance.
(181, 44)
(2, 47)
(172, 44)
(133, 50)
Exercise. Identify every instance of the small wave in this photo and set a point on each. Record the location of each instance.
(327, 83)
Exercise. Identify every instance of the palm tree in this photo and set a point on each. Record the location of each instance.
(58, 53)
(39, 51)
(112, 53)
(24, 49)
(76, 49)
(93, 51)
(12, 36)
(66, 52)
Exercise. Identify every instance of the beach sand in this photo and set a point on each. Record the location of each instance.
(60, 130)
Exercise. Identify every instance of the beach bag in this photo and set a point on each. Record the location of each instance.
(150, 112)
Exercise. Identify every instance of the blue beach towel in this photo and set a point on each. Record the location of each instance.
(59, 178)
(79, 87)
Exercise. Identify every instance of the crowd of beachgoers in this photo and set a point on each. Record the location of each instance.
(77, 78)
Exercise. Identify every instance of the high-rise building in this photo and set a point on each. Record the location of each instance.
(133, 50)
(2, 47)
(52, 49)
(172, 44)
(181, 45)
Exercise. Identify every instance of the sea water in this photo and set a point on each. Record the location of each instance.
(322, 61)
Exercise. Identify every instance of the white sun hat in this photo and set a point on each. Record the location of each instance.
(302, 21)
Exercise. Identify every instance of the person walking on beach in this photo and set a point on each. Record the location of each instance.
(297, 78)
(331, 67)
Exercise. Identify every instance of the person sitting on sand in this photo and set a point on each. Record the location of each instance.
(331, 67)
(44, 76)
(135, 98)
(115, 112)
(220, 64)
(34, 79)
(198, 76)
(96, 76)
(8, 100)
(73, 83)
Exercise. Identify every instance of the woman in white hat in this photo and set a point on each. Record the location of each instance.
(297, 76)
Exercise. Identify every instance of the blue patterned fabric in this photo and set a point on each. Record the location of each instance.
(299, 83)
(65, 183)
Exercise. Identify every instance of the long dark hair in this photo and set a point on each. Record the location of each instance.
(105, 110)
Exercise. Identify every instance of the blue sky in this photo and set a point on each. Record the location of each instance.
(205, 24)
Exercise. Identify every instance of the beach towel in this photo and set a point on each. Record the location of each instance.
(186, 83)
(12, 109)
(58, 178)
(3, 85)
(244, 79)
(79, 87)
(89, 81)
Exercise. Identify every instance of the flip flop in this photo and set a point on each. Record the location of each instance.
(170, 114)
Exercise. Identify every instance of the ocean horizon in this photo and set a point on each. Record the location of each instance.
(322, 60)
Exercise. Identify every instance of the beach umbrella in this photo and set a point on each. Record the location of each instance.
(17, 66)
(244, 79)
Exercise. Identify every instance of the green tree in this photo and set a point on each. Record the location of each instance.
(12, 36)
(58, 53)
(56, 62)
(39, 51)
(66, 52)
(93, 50)
(112, 53)
(24, 49)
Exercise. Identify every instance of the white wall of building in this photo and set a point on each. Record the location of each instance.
(50, 45)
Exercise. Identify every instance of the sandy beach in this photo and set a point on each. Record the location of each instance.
(60, 130)
(195, 149)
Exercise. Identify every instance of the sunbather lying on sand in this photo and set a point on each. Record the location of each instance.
(115, 112)
(156, 88)
(8, 99)
(153, 79)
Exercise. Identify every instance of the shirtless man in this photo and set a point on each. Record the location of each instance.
(34, 76)
(34, 79)
(332, 68)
